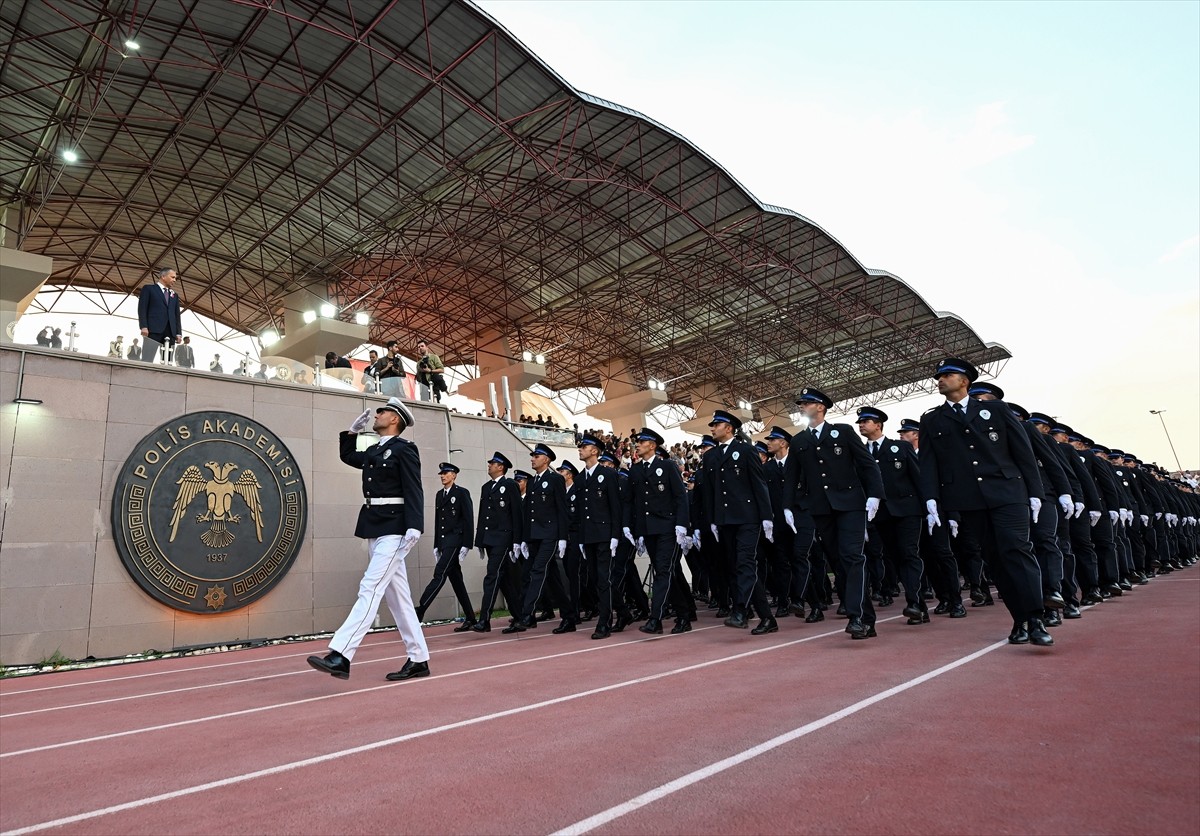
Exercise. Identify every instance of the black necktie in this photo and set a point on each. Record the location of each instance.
(960, 412)
(874, 447)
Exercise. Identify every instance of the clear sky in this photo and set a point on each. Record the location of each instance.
(1032, 167)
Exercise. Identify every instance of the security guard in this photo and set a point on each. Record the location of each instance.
(544, 533)
(839, 484)
(976, 459)
(498, 531)
(391, 521)
(738, 507)
(453, 528)
(599, 516)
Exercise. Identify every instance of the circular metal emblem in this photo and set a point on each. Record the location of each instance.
(209, 512)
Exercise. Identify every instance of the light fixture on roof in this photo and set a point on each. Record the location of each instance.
(362, 318)
(540, 359)
(328, 311)
(269, 337)
(70, 156)
(309, 316)
(132, 45)
(527, 356)
(744, 404)
(654, 383)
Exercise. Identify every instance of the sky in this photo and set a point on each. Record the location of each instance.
(1031, 167)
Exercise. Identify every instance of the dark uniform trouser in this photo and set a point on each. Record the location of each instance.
(900, 540)
(721, 570)
(1106, 550)
(1121, 545)
(778, 556)
(1086, 576)
(695, 564)
(1044, 537)
(625, 581)
(1010, 562)
(843, 533)
(1137, 544)
(542, 573)
(662, 550)
(571, 563)
(740, 545)
(599, 560)
(502, 575)
(447, 568)
(803, 568)
(587, 581)
(1070, 583)
(937, 554)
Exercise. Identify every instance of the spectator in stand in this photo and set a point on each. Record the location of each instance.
(184, 357)
(43, 337)
(390, 368)
(261, 374)
(135, 350)
(55, 339)
(215, 365)
(336, 361)
(371, 373)
(430, 371)
(116, 348)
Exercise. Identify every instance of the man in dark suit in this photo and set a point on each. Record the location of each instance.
(839, 484)
(598, 509)
(391, 520)
(335, 361)
(185, 358)
(738, 507)
(544, 534)
(500, 520)
(158, 313)
(453, 527)
(976, 459)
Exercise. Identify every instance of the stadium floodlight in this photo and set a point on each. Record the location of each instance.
(540, 359)
(70, 156)
(527, 356)
(269, 337)
(328, 311)
(132, 45)
(362, 318)
(744, 405)
(310, 316)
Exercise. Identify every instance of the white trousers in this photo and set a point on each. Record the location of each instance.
(386, 578)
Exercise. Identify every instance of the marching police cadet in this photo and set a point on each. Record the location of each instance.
(453, 527)
(1103, 535)
(681, 600)
(1087, 578)
(839, 484)
(1071, 592)
(655, 517)
(976, 459)
(498, 532)
(712, 556)
(544, 533)
(789, 568)
(1135, 549)
(898, 522)
(391, 521)
(629, 597)
(573, 556)
(738, 506)
(598, 510)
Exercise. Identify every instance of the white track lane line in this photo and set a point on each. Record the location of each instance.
(302, 672)
(612, 813)
(391, 741)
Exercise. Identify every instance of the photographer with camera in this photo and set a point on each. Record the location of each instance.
(389, 370)
(429, 372)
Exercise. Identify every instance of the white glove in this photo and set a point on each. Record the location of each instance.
(1035, 508)
(953, 528)
(790, 519)
(1158, 515)
(1125, 515)
(1095, 517)
(1112, 515)
(629, 536)
(714, 531)
(872, 507)
(682, 538)
(612, 546)
(437, 554)
(514, 553)
(932, 517)
(410, 537)
(769, 530)
(1079, 509)
(641, 545)
(525, 550)
(462, 553)
(696, 541)
(582, 551)
(1145, 519)
(361, 422)
(1067, 505)
(562, 548)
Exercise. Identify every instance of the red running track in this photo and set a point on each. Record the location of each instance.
(938, 728)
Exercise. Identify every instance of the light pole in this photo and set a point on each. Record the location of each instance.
(1159, 413)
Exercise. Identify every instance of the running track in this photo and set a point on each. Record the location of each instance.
(941, 728)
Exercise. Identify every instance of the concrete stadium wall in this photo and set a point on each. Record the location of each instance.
(62, 586)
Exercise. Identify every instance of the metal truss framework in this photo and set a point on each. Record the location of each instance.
(414, 160)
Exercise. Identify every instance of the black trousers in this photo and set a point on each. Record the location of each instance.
(807, 565)
(1010, 561)
(1044, 537)
(663, 553)
(502, 575)
(721, 569)
(939, 557)
(1106, 550)
(778, 557)
(843, 533)
(900, 539)
(543, 573)
(1087, 576)
(740, 545)
(1070, 582)
(600, 561)
(447, 568)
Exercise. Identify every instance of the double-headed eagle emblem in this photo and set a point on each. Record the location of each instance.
(220, 492)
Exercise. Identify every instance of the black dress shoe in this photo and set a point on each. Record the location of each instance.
(816, 615)
(985, 601)
(977, 596)
(1125, 585)
(411, 670)
(912, 611)
(682, 625)
(942, 608)
(332, 663)
(623, 620)
(1019, 634)
(886, 600)
(567, 626)
(1053, 618)
(586, 615)
(1053, 601)
(841, 610)
(958, 611)
(1091, 599)
(640, 615)
(601, 633)
(923, 618)
(782, 611)
(796, 610)
(871, 634)
(652, 625)
(1037, 633)
(548, 615)
(465, 626)
(736, 619)
(1072, 611)
(1112, 589)
(857, 629)
(767, 625)
(723, 612)
(515, 627)
(481, 627)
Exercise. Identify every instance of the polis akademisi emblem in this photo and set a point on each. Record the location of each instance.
(209, 512)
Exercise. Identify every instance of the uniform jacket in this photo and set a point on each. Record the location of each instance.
(775, 475)
(156, 315)
(657, 499)
(391, 469)
(545, 507)
(500, 515)
(453, 519)
(1105, 482)
(1054, 478)
(984, 461)
(599, 505)
(901, 475)
(735, 490)
(834, 473)
(572, 492)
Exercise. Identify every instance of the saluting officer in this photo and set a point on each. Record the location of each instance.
(839, 484)
(544, 533)
(738, 507)
(391, 521)
(453, 529)
(976, 459)
(499, 530)
(598, 510)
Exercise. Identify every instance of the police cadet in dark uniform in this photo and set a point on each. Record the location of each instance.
(1070, 574)
(976, 459)
(598, 510)
(1087, 576)
(838, 483)
(544, 533)
(901, 513)
(572, 559)
(782, 570)
(630, 602)
(498, 532)
(453, 528)
(738, 506)
(655, 515)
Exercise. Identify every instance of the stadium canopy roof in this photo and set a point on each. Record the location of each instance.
(414, 160)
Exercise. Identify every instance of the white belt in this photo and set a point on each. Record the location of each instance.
(383, 500)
